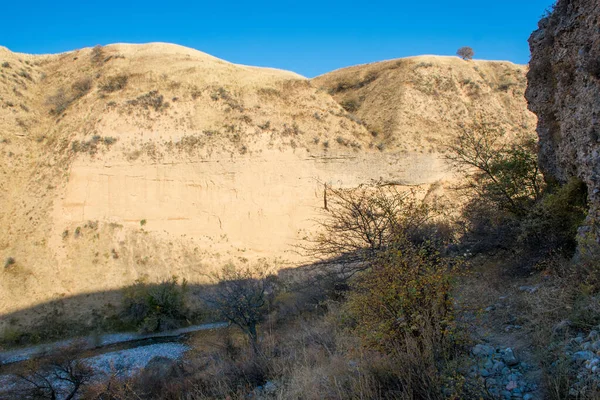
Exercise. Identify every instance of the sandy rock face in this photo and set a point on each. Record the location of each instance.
(564, 92)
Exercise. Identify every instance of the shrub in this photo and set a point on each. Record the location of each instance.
(152, 308)
(504, 174)
(81, 87)
(350, 105)
(364, 221)
(150, 100)
(466, 53)
(97, 56)
(114, 83)
(405, 294)
(9, 262)
(241, 296)
(5, 64)
(552, 224)
(59, 102)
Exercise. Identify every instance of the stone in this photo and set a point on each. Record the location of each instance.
(509, 358)
(511, 385)
(482, 350)
(269, 387)
(582, 355)
(528, 396)
(528, 289)
(563, 91)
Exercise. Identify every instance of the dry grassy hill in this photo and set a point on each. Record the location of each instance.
(146, 161)
(415, 104)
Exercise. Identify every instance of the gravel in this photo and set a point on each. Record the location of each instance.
(122, 363)
(128, 362)
(93, 342)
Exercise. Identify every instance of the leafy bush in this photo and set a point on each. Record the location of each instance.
(153, 308)
(552, 223)
(405, 294)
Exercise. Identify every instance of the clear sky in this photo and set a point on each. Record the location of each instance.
(309, 37)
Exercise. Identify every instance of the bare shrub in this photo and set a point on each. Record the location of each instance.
(81, 87)
(241, 296)
(59, 102)
(98, 55)
(363, 221)
(151, 100)
(61, 375)
(114, 83)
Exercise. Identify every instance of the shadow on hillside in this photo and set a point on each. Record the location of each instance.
(100, 312)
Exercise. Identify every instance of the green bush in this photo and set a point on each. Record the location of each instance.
(153, 308)
(405, 294)
(552, 223)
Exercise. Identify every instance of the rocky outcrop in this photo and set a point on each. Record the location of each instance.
(564, 92)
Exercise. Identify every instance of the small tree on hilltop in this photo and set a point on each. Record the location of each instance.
(466, 53)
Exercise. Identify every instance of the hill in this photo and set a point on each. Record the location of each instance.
(130, 162)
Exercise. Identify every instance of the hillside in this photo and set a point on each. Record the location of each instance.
(415, 104)
(145, 161)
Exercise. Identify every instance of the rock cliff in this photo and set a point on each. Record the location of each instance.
(564, 92)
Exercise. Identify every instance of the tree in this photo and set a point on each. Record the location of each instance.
(466, 53)
(499, 170)
(241, 296)
(361, 222)
(62, 375)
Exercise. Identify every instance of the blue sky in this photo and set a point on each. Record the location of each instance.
(309, 37)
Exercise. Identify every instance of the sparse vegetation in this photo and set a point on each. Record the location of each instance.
(92, 146)
(114, 83)
(151, 100)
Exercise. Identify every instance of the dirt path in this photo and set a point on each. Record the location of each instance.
(493, 304)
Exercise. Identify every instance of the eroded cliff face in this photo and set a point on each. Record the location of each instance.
(564, 92)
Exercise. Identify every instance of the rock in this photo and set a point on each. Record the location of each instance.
(498, 366)
(562, 327)
(564, 92)
(482, 350)
(269, 387)
(528, 396)
(484, 372)
(509, 357)
(593, 335)
(582, 355)
(528, 289)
